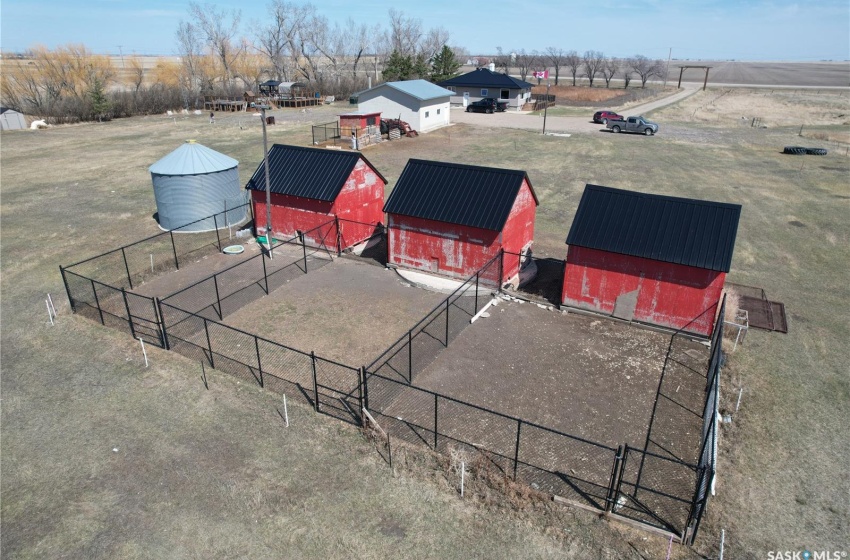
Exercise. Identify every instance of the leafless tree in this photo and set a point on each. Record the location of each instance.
(276, 39)
(610, 67)
(356, 43)
(502, 60)
(572, 61)
(190, 49)
(432, 43)
(626, 66)
(592, 62)
(525, 61)
(405, 33)
(556, 57)
(645, 68)
(219, 30)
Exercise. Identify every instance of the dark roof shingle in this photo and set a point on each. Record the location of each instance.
(469, 195)
(314, 173)
(685, 231)
(484, 77)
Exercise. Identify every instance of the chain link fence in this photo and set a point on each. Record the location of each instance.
(654, 489)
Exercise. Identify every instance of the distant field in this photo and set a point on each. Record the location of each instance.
(809, 74)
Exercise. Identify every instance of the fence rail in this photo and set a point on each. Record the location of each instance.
(189, 322)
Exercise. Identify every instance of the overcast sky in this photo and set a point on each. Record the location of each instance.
(695, 29)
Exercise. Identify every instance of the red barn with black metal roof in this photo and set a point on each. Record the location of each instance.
(313, 186)
(656, 259)
(450, 219)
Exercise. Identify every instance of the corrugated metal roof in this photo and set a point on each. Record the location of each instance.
(697, 233)
(315, 173)
(192, 159)
(422, 90)
(468, 195)
(484, 77)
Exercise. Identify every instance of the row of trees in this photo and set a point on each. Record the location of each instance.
(294, 43)
(297, 43)
(591, 65)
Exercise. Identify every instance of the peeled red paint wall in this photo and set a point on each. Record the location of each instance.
(670, 295)
(359, 207)
(456, 250)
(519, 229)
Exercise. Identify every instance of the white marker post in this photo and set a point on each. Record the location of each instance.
(52, 307)
(49, 314)
(285, 412)
(151, 262)
(144, 352)
(462, 472)
(738, 404)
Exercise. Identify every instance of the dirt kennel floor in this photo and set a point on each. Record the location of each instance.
(589, 377)
(347, 311)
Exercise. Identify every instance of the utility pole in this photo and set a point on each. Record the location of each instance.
(121, 54)
(667, 70)
(268, 183)
(545, 108)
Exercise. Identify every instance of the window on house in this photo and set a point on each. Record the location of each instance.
(505, 94)
(451, 89)
(370, 121)
(438, 111)
(427, 114)
(484, 92)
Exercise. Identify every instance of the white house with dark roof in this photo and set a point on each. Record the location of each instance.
(420, 103)
(483, 82)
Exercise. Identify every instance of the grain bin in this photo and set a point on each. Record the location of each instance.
(194, 182)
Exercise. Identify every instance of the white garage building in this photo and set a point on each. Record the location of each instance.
(420, 103)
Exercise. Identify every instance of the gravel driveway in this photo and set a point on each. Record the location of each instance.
(563, 125)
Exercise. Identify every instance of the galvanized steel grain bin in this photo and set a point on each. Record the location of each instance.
(193, 183)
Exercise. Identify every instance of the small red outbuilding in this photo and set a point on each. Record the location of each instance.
(311, 187)
(451, 219)
(656, 259)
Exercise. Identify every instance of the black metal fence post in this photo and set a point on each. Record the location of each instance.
(304, 249)
(436, 426)
(129, 317)
(613, 482)
(410, 357)
(217, 298)
(501, 268)
(361, 379)
(217, 237)
(174, 250)
(67, 289)
(516, 449)
(315, 381)
(97, 302)
(158, 309)
(127, 268)
(209, 344)
(265, 275)
(476, 292)
(365, 389)
(447, 321)
(259, 363)
(338, 236)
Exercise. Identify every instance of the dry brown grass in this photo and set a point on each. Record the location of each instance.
(580, 93)
(770, 108)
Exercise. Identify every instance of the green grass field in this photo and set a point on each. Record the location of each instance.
(213, 473)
